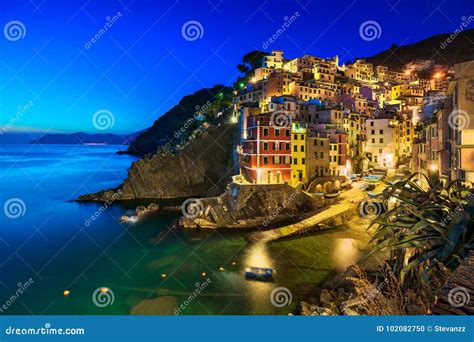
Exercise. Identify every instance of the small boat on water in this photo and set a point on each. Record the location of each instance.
(259, 273)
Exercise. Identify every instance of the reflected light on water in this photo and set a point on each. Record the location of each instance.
(345, 253)
(257, 256)
(258, 292)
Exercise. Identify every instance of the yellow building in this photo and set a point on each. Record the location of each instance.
(298, 153)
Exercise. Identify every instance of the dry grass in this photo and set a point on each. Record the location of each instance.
(385, 295)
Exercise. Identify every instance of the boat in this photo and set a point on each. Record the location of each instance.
(367, 187)
(124, 218)
(331, 195)
(259, 273)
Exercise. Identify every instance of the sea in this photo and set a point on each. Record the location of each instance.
(62, 257)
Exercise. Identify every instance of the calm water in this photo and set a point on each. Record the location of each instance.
(51, 244)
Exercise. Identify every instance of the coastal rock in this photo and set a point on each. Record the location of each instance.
(200, 169)
(325, 296)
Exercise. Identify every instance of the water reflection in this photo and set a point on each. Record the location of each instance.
(345, 253)
(258, 292)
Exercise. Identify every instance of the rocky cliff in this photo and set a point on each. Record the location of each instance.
(205, 102)
(203, 167)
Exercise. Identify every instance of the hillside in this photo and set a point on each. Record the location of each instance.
(460, 49)
(166, 128)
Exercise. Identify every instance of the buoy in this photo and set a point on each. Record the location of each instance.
(203, 274)
(221, 269)
(234, 263)
(104, 289)
(163, 275)
(66, 293)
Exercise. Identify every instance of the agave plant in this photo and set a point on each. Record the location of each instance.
(429, 224)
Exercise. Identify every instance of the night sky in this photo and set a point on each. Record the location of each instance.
(142, 65)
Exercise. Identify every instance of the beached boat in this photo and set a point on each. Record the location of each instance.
(331, 195)
(259, 273)
(367, 187)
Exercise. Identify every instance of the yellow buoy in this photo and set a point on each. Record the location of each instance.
(163, 275)
(221, 269)
(66, 293)
(104, 290)
(203, 274)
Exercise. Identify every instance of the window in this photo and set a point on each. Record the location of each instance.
(287, 146)
(265, 146)
(265, 160)
(295, 148)
(373, 131)
(381, 140)
(302, 136)
(303, 161)
(287, 132)
(302, 148)
(277, 132)
(295, 136)
(371, 123)
(373, 141)
(276, 146)
(295, 161)
(265, 132)
(380, 151)
(322, 154)
(381, 131)
(276, 160)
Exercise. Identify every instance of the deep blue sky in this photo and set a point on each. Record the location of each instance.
(142, 65)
